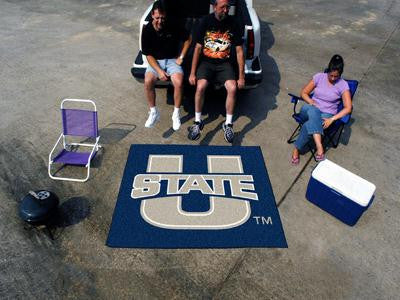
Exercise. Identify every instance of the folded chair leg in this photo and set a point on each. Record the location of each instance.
(330, 138)
(338, 138)
(294, 134)
(312, 150)
(50, 233)
(327, 139)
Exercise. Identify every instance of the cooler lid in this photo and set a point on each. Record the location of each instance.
(344, 182)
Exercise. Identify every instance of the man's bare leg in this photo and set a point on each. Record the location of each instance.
(195, 129)
(231, 88)
(149, 88)
(177, 82)
(199, 96)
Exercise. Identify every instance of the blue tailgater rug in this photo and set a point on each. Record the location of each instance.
(179, 196)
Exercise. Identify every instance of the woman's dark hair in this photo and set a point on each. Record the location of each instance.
(336, 64)
(158, 5)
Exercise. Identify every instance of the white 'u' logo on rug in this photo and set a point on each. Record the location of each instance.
(166, 212)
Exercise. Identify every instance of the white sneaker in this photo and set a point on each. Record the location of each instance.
(152, 119)
(176, 122)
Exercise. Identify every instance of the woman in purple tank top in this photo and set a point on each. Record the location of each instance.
(321, 110)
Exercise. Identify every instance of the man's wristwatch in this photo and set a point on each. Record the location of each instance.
(181, 57)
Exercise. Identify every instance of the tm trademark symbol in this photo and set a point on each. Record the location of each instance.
(261, 220)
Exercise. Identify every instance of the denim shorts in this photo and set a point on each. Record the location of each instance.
(168, 65)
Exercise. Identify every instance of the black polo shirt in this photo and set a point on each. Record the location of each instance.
(165, 43)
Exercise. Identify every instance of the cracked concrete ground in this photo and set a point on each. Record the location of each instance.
(50, 50)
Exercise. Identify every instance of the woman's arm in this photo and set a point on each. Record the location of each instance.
(346, 109)
(306, 91)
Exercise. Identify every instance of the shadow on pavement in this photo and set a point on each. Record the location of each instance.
(70, 212)
(73, 211)
(112, 133)
(255, 104)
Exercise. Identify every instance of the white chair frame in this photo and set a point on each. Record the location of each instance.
(95, 147)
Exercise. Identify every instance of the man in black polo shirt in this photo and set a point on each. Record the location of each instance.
(217, 35)
(161, 42)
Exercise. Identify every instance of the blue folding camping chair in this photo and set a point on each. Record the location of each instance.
(77, 123)
(333, 133)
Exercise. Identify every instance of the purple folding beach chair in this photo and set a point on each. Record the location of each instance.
(76, 123)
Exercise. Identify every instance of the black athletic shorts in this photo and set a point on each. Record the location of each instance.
(215, 73)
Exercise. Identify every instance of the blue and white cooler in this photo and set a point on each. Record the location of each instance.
(339, 192)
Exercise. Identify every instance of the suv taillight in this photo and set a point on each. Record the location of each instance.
(250, 44)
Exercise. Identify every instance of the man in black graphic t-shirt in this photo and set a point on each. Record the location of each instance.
(217, 36)
(161, 42)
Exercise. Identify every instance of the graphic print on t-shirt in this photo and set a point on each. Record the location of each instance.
(217, 44)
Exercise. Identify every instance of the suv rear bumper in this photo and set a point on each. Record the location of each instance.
(253, 75)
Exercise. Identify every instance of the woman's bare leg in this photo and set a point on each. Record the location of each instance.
(318, 143)
(295, 153)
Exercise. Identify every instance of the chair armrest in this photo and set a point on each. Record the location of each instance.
(95, 148)
(295, 99)
(52, 150)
